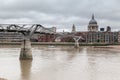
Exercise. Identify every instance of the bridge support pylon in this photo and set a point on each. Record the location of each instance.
(76, 39)
(76, 44)
(26, 50)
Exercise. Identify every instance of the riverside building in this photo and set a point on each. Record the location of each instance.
(94, 35)
(10, 37)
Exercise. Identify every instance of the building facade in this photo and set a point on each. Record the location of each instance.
(102, 37)
(43, 37)
(10, 37)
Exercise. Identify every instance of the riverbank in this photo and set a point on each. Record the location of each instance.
(18, 44)
(109, 46)
(55, 43)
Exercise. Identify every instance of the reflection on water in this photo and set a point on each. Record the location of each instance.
(25, 69)
(61, 63)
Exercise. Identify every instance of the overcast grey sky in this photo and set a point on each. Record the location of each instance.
(61, 13)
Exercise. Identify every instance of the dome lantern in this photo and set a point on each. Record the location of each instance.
(93, 21)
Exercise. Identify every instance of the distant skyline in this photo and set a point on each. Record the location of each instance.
(61, 13)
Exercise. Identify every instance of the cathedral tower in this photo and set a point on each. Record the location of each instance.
(73, 29)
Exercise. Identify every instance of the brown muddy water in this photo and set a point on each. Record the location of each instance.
(61, 63)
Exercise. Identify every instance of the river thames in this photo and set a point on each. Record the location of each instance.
(61, 63)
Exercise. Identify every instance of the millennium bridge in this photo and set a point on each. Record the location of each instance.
(27, 30)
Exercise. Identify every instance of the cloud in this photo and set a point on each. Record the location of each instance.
(61, 13)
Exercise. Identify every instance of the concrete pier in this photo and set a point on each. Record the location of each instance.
(76, 44)
(26, 52)
(76, 39)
